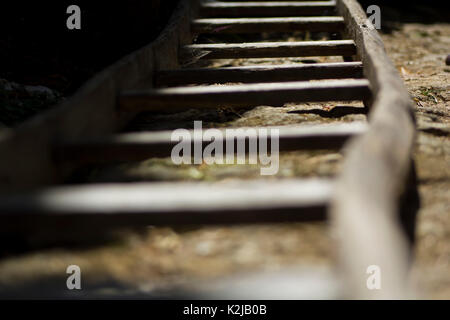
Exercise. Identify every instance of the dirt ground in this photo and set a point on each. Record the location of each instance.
(419, 52)
(157, 258)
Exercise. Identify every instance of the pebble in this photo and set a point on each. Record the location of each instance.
(447, 61)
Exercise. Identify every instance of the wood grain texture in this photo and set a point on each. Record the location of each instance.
(244, 95)
(258, 25)
(248, 74)
(271, 49)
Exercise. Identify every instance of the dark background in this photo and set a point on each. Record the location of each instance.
(37, 48)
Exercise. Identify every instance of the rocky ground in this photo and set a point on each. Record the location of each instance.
(419, 52)
(157, 258)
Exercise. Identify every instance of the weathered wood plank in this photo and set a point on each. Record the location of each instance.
(139, 146)
(271, 49)
(140, 204)
(258, 25)
(365, 205)
(248, 74)
(266, 9)
(245, 95)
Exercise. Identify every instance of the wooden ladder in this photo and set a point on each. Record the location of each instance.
(361, 203)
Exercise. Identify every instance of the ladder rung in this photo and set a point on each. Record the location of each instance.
(140, 204)
(265, 9)
(140, 146)
(245, 95)
(271, 49)
(258, 25)
(248, 74)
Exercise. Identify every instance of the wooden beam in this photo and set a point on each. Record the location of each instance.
(245, 95)
(365, 206)
(271, 49)
(258, 25)
(140, 146)
(267, 8)
(248, 74)
(141, 204)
